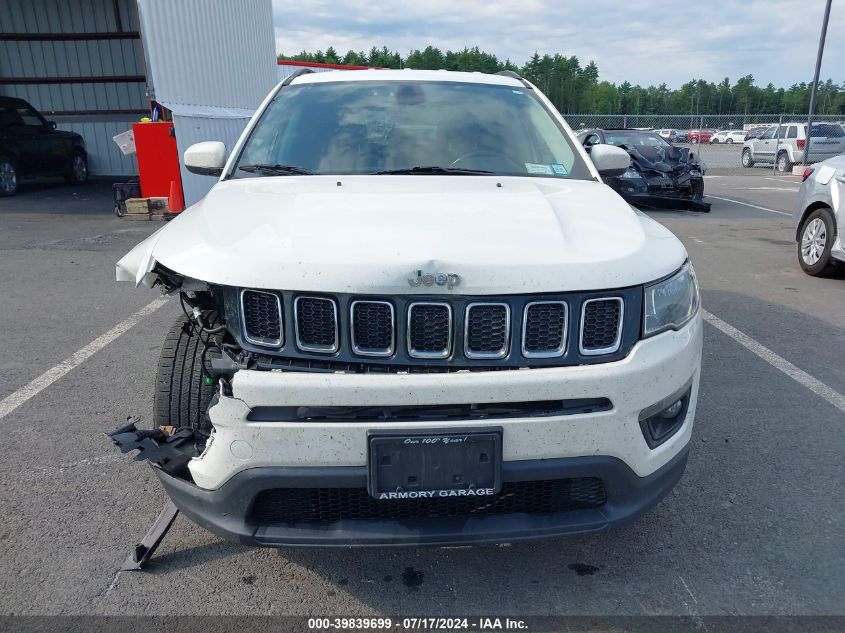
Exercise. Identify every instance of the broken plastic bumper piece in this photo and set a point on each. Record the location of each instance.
(171, 453)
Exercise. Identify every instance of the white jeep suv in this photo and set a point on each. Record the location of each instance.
(414, 313)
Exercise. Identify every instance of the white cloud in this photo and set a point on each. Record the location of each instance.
(643, 41)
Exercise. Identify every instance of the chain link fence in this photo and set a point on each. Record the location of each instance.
(721, 155)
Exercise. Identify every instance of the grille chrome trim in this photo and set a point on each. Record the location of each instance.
(366, 351)
(449, 337)
(501, 353)
(263, 342)
(616, 342)
(550, 353)
(326, 349)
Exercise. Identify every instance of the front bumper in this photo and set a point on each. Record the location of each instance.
(226, 511)
(654, 369)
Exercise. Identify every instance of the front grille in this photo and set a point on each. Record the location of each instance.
(329, 505)
(544, 329)
(418, 333)
(601, 326)
(261, 313)
(372, 328)
(429, 330)
(487, 330)
(316, 324)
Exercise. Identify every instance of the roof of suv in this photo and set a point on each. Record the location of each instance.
(12, 101)
(407, 75)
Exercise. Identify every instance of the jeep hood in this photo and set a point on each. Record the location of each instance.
(367, 234)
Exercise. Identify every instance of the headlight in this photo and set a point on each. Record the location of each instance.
(671, 303)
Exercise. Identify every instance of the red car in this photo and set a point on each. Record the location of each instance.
(699, 136)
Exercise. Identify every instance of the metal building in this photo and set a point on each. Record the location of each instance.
(211, 62)
(80, 64)
(95, 66)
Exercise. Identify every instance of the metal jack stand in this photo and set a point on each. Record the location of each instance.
(142, 552)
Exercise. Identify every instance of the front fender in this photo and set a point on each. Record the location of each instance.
(138, 263)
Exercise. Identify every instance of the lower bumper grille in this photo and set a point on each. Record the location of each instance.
(329, 505)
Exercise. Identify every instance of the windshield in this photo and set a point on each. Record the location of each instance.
(632, 139)
(368, 127)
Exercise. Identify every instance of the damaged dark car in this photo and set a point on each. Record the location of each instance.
(661, 175)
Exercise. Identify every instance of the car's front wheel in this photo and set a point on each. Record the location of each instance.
(184, 386)
(77, 171)
(730, 141)
(747, 160)
(817, 235)
(8, 178)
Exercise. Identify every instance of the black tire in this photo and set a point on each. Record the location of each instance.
(825, 265)
(783, 163)
(747, 160)
(8, 177)
(698, 189)
(182, 395)
(730, 141)
(77, 169)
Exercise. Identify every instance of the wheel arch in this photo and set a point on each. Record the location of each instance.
(813, 206)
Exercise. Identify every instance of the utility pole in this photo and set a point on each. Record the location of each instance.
(816, 82)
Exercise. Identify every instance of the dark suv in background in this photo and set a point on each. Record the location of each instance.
(32, 147)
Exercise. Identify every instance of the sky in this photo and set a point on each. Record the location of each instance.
(642, 41)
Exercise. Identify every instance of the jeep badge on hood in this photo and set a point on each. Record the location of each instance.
(419, 278)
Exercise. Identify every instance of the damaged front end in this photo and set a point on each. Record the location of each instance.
(663, 178)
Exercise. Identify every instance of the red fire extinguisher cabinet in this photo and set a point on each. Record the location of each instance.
(158, 162)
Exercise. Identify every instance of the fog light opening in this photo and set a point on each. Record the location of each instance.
(661, 421)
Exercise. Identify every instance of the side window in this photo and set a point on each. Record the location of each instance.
(29, 118)
(782, 132)
(9, 117)
(793, 132)
(770, 133)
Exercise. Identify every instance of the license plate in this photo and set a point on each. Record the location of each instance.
(434, 464)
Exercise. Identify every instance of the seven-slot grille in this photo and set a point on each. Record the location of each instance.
(262, 317)
(544, 329)
(429, 330)
(487, 330)
(372, 326)
(316, 324)
(601, 326)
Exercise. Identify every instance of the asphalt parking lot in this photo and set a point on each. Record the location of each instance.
(755, 527)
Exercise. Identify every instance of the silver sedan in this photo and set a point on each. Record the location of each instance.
(819, 217)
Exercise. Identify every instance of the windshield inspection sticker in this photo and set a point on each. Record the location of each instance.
(560, 170)
(534, 168)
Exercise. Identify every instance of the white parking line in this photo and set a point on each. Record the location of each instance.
(778, 362)
(753, 206)
(792, 189)
(36, 386)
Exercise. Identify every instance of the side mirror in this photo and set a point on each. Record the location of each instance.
(206, 159)
(610, 160)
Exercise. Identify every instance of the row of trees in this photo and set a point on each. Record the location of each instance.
(576, 89)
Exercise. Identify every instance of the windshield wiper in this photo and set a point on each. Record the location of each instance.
(276, 170)
(433, 169)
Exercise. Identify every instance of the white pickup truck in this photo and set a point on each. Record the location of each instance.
(414, 314)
